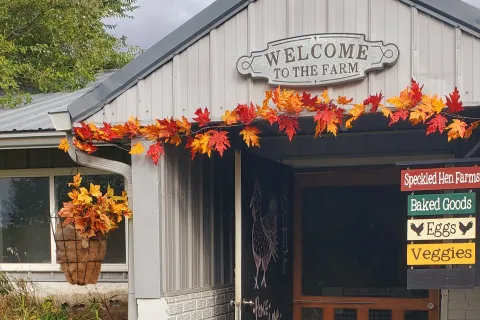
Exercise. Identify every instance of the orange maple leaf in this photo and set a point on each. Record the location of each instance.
(229, 117)
(219, 141)
(456, 129)
(77, 180)
(137, 149)
(267, 113)
(471, 127)
(87, 147)
(344, 100)
(184, 126)
(326, 119)
(250, 136)
(64, 145)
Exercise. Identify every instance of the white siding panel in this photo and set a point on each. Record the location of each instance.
(467, 64)
(205, 74)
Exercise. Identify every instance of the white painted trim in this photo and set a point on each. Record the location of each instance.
(444, 304)
(30, 140)
(51, 173)
(47, 267)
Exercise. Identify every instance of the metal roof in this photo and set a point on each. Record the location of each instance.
(454, 12)
(34, 116)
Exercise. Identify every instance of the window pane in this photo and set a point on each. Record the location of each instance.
(25, 220)
(116, 249)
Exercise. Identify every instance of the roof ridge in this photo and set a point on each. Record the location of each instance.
(454, 12)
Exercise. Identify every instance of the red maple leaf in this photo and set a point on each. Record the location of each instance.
(374, 101)
(397, 115)
(171, 127)
(308, 101)
(188, 145)
(436, 123)
(453, 102)
(109, 134)
(84, 132)
(155, 151)
(203, 117)
(219, 141)
(289, 124)
(415, 92)
(339, 113)
(245, 113)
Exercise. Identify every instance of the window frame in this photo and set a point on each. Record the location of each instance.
(51, 173)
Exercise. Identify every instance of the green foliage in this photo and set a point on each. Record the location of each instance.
(58, 45)
(19, 301)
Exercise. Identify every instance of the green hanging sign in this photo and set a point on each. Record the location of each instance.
(444, 203)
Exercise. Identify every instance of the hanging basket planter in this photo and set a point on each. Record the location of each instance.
(82, 228)
(80, 259)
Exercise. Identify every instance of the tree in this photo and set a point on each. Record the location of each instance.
(58, 45)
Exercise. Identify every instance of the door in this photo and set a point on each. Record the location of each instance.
(350, 248)
(263, 245)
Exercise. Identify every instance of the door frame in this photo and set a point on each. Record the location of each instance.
(349, 177)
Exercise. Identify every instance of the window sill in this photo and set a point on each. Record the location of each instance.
(43, 267)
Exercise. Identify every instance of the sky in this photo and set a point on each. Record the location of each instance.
(156, 18)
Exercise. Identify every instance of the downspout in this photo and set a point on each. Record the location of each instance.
(124, 170)
(62, 122)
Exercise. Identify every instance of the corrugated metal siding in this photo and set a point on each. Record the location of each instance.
(204, 75)
(34, 116)
(197, 224)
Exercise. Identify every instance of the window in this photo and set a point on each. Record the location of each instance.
(28, 200)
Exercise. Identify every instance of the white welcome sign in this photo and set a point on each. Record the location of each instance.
(318, 59)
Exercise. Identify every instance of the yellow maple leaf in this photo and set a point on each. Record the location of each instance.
(250, 136)
(456, 129)
(95, 190)
(84, 196)
(434, 103)
(401, 102)
(421, 113)
(64, 145)
(357, 110)
(137, 149)
(175, 140)
(386, 112)
(229, 117)
(325, 97)
(77, 180)
(201, 144)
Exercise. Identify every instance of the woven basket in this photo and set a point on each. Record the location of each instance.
(80, 259)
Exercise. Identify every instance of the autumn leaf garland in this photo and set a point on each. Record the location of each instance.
(281, 107)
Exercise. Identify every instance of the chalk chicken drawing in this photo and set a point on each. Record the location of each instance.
(264, 233)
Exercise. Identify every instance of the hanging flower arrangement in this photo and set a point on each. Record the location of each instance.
(281, 108)
(85, 221)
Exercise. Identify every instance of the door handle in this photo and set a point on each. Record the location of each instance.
(248, 303)
(430, 306)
